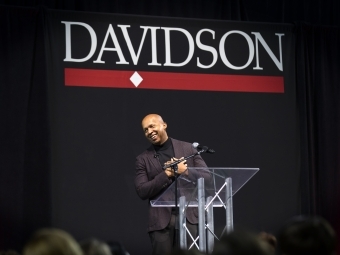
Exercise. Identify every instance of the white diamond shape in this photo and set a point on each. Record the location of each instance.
(136, 79)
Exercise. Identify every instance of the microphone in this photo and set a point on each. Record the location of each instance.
(204, 148)
(156, 155)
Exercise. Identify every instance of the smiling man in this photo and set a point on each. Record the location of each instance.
(151, 180)
(155, 129)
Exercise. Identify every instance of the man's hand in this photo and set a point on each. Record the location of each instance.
(169, 172)
(181, 167)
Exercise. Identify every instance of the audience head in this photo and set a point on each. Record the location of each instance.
(304, 235)
(270, 240)
(186, 252)
(52, 242)
(241, 243)
(95, 247)
(9, 252)
(117, 248)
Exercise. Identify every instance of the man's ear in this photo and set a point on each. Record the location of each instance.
(165, 125)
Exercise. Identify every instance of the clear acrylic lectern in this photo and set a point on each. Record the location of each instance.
(204, 188)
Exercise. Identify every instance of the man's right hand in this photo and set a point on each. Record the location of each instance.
(169, 172)
(182, 167)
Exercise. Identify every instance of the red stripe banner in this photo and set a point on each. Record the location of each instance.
(172, 81)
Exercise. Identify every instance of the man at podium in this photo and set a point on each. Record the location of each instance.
(151, 180)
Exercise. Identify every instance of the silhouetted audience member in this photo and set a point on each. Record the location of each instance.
(94, 246)
(270, 240)
(9, 252)
(178, 251)
(307, 235)
(117, 248)
(241, 243)
(52, 242)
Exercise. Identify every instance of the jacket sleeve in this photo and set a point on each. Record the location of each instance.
(149, 186)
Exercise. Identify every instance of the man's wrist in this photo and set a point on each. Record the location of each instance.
(168, 173)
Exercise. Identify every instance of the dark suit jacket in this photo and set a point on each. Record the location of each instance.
(151, 180)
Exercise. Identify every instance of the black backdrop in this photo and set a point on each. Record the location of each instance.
(28, 186)
(96, 133)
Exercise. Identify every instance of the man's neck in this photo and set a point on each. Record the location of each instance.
(165, 143)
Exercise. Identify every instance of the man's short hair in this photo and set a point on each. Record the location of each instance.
(307, 235)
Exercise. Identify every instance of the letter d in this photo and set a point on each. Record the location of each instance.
(68, 57)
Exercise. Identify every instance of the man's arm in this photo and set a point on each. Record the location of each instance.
(149, 188)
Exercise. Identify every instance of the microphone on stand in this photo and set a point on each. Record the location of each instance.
(195, 145)
(202, 148)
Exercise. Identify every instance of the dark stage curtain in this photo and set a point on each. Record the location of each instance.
(320, 12)
(24, 169)
(24, 140)
(202, 9)
(318, 84)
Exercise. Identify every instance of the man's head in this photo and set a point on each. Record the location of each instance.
(241, 242)
(51, 241)
(94, 246)
(154, 129)
(305, 235)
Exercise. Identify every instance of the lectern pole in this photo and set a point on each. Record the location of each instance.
(201, 215)
(229, 206)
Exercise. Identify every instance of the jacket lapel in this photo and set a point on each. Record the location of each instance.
(178, 149)
(153, 160)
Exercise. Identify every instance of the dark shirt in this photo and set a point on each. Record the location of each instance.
(164, 152)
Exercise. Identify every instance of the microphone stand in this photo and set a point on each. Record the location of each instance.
(176, 239)
(185, 158)
(174, 167)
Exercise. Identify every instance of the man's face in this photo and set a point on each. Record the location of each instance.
(154, 129)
